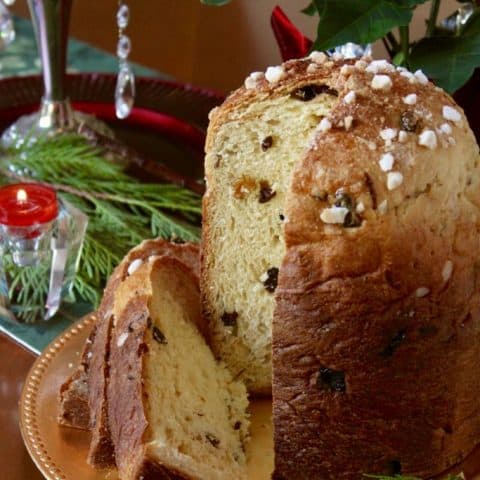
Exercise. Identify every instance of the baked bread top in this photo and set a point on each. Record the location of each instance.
(380, 109)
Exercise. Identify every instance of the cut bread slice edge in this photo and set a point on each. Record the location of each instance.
(101, 452)
(82, 398)
(252, 149)
(174, 412)
(74, 411)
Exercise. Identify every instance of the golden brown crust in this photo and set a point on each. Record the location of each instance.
(101, 454)
(73, 398)
(348, 300)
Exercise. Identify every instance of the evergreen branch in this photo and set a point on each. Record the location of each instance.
(122, 211)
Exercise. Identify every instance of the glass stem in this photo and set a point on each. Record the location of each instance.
(51, 20)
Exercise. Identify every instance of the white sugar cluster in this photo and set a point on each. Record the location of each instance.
(382, 78)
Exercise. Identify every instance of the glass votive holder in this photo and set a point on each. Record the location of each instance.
(38, 263)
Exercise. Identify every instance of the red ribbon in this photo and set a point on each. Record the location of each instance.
(291, 41)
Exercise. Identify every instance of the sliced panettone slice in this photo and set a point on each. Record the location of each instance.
(174, 412)
(83, 395)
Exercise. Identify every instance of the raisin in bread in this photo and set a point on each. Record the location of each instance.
(357, 184)
(82, 397)
(174, 412)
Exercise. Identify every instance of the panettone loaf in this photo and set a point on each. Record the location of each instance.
(101, 448)
(355, 186)
(174, 412)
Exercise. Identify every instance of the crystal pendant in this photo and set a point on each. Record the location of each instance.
(123, 47)
(455, 22)
(124, 91)
(7, 29)
(352, 50)
(123, 16)
(464, 14)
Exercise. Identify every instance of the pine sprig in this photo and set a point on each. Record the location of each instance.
(122, 211)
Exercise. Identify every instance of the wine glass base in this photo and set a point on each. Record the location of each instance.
(28, 129)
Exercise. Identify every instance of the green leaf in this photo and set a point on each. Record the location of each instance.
(359, 22)
(448, 61)
(310, 9)
(216, 3)
(119, 207)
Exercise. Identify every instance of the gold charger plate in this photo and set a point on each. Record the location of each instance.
(60, 453)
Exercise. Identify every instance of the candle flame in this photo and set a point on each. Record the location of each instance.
(21, 195)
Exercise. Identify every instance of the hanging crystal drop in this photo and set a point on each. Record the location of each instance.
(353, 50)
(7, 29)
(9, 3)
(123, 47)
(465, 11)
(124, 91)
(123, 16)
(457, 20)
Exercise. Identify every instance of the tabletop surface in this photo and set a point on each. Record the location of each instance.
(15, 463)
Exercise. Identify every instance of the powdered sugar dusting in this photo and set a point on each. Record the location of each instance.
(380, 66)
(410, 99)
(421, 77)
(422, 292)
(334, 215)
(275, 74)
(383, 207)
(447, 270)
(428, 139)
(381, 82)
(388, 133)
(394, 180)
(325, 125)
(134, 266)
(350, 97)
(386, 162)
(360, 208)
(450, 113)
(318, 57)
(122, 339)
(446, 128)
(252, 80)
(348, 122)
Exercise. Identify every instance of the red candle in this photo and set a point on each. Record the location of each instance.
(27, 204)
